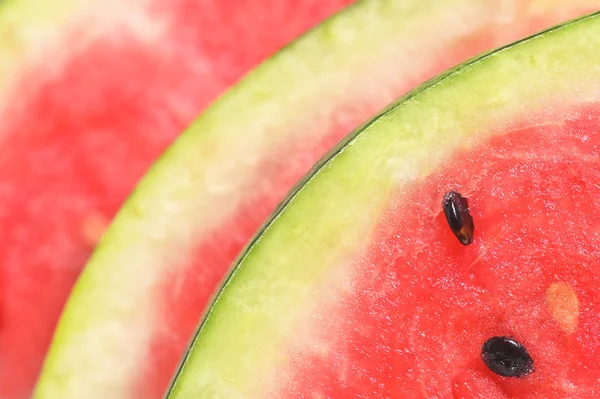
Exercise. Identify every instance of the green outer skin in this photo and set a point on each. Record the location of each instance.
(318, 230)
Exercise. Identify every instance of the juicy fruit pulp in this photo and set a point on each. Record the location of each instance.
(125, 78)
(358, 287)
(154, 272)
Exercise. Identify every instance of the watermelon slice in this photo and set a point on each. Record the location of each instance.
(144, 291)
(90, 94)
(359, 288)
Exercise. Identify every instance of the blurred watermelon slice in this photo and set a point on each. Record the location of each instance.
(90, 94)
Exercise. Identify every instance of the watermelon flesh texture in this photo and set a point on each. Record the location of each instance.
(422, 304)
(357, 287)
(79, 134)
(168, 305)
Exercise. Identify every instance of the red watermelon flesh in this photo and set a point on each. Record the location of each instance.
(422, 304)
(85, 119)
(180, 294)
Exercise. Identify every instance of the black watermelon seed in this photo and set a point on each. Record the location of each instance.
(456, 209)
(506, 357)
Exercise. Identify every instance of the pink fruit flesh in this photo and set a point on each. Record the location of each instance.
(74, 145)
(423, 304)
